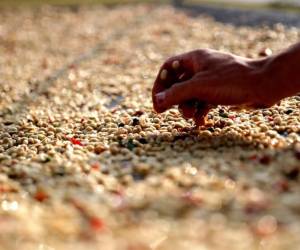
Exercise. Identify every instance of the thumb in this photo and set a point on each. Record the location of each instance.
(178, 93)
(200, 116)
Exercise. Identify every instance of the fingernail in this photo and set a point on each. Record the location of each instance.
(181, 76)
(163, 74)
(175, 64)
(160, 98)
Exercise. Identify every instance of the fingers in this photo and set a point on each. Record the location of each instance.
(196, 110)
(167, 76)
(188, 109)
(177, 94)
(200, 116)
(174, 70)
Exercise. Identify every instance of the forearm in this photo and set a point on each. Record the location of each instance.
(284, 71)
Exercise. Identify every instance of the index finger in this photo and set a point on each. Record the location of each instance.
(174, 70)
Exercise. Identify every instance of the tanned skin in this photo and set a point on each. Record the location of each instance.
(202, 79)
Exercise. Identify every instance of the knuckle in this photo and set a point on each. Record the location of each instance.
(169, 61)
(176, 88)
(201, 52)
(168, 94)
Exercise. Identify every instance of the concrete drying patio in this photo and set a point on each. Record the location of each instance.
(85, 163)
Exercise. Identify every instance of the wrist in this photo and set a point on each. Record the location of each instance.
(266, 86)
(282, 73)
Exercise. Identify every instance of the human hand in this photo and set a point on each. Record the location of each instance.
(201, 79)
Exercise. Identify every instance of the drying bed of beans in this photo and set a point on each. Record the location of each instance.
(87, 164)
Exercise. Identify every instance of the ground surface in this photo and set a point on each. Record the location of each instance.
(85, 163)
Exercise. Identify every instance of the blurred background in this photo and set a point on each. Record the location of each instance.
(288, 5)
